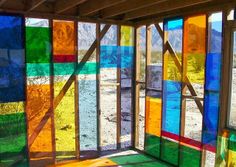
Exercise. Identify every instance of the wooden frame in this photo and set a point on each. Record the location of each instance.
(136, 80)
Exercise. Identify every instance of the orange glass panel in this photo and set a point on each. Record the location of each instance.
(194, 49)
(63, 41)
(153, 116)
(39, 94)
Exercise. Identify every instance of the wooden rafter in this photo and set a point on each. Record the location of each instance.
(34, 4)
(2, 2)
(93, 6)
(162, 7)
(63, 5)
(128, 6)
(65, 88)
(167, 46)
(218, 5)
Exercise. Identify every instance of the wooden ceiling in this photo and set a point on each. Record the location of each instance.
(117, 11)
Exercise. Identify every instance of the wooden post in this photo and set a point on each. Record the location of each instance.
(98, 87)
(76, 93)
(52, 95)
(118, 95)
(137, 88)
(133, 92)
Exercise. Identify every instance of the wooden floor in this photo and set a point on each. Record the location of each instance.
(133, 159)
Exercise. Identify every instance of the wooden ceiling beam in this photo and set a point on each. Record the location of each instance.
(93, 6)
(199, 9)
(163, 7)
(63, 5)
(128, 6)
(2, 2)
(34, 4)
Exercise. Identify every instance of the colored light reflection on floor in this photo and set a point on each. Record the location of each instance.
(130, 160)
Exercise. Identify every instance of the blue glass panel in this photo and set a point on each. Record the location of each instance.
(116, 57)
(174, 24)
(88, 115)
(171, 107)
(210, 118)
(127, 54)
(213, 71)
(108, 57)
(12, 59)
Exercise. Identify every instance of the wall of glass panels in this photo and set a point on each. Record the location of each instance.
(212, 85)
(126, 67)
(194, 54)
(154, 92)
(13, 135)
(39, 90)
(171, 115)
(64, 56)
(87, 89)
(108, 89)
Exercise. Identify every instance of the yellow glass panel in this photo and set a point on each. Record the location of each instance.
(126, 36)
(194, 49)
(171, 70)
(153, 116)
(231, 158)
(63, 38)
(13, 107)
(65, 122)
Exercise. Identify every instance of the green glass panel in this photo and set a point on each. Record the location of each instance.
(38, 69)
(68, 68)
(38, 45)
(13, 140)
(190, 157)
(152, 145)
(232, 142)
(169, 151)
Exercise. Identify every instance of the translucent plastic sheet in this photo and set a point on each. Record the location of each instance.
(63, 41)
(108, 89)
(87, 89)
(63, 54)
(127, 57)
(213, 79)
(13, 135)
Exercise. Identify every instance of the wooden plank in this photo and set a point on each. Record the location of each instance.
(35, 3)
(224, 93)
(128, 6)
(63, 5)
(47, 15)
(2, 2)
(133, 93)
(137, 89)
(52, 97)
(199, 9)
(76, 100)
(65, 88)
(162, 7)
(98, 88)
(93, 6)
(118, 95)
